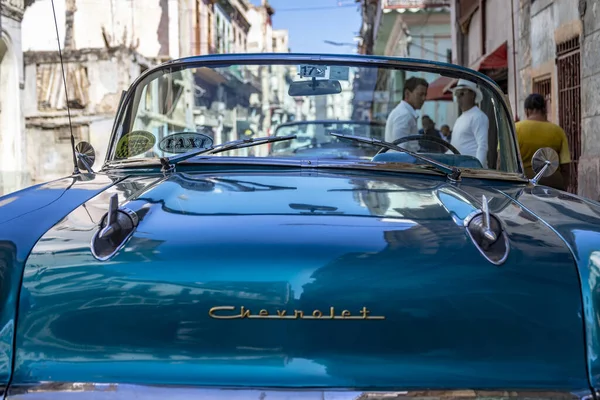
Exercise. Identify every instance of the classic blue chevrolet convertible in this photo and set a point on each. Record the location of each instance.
(214, 256)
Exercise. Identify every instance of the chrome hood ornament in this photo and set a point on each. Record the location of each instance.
(116, 227)
(487, 234)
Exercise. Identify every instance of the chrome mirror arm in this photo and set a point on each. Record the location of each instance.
(85, 160)
(540, 174)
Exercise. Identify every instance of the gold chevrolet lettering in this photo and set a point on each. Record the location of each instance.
(229, 312)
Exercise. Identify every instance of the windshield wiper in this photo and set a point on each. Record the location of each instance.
(168, 163)
(451, 172)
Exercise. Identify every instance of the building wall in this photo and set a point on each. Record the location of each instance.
(483, 37)
(159, 33)
(497, 19)
(589, 163)
(13, 140)
(546, 23)
(223, 31)
(474, 51)
(241, 32)
(112, 40)
(260, 40)
(49, 155)
(260, 35)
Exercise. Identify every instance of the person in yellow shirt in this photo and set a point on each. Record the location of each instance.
(536, 132)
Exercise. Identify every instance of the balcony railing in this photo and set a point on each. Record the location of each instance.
(399, 4)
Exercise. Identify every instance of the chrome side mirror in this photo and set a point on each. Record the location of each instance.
(86, 156)
(544, 163)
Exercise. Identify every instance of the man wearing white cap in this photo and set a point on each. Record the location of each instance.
(470, 133)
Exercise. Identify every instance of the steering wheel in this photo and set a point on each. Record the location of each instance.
(422, 137)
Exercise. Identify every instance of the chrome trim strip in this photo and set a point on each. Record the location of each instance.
(114, 391)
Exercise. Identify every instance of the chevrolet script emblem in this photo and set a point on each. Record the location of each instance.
(229, 312)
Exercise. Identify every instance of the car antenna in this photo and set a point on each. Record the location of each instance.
(64, 77)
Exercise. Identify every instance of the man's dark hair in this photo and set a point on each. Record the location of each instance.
(426, 117)
(535, 101)
(412, 83)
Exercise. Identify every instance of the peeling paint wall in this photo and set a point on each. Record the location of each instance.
(544, 24)
(589, 164)
(49, 146)
(150, 26)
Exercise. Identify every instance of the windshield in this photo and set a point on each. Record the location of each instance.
(450, 119)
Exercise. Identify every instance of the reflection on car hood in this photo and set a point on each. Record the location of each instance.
(366, 244)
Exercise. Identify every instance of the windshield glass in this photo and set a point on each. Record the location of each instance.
(454, 121)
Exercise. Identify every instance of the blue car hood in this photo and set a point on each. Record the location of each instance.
(398, 294)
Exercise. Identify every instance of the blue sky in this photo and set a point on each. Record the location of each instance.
(310, 22)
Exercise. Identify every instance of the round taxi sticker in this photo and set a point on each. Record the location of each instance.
(134, 143)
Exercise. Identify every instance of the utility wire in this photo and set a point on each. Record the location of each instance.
(429, 50)
(64, 78)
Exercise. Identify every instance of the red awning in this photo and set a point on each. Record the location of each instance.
(436, 90)
(496, 59)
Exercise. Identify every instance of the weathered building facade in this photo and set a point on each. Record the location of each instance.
(106, 45)
(559, 46)
(96, 78)
(550, 47)
(13, 141)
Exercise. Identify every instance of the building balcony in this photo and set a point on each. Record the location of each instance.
(401, 4)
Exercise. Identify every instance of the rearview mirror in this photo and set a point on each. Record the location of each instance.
(86, 156)
(544, 163)
(314, 87)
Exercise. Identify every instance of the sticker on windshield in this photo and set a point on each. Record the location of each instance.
(134, 143)
(312, 71)
(338, 72)
(183, 142)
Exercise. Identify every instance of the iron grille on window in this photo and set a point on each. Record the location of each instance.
(544, 87)
(568, 62)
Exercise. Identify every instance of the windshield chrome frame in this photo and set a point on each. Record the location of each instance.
(407, 64)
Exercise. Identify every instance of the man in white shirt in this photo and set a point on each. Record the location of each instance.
(470, 132)
(402, 121)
